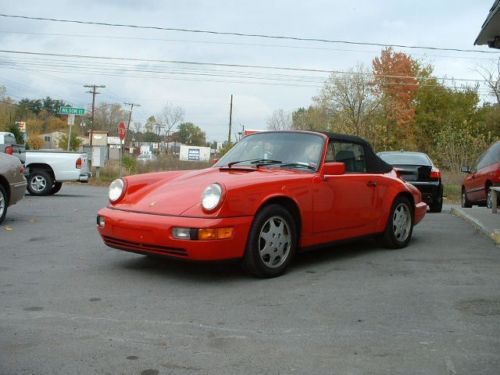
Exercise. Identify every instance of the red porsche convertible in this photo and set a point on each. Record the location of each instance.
(273, 194)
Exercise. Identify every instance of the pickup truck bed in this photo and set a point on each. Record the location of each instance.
(47, 170)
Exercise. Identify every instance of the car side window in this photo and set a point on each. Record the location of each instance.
(492, 156)
(352, 155)
(489, 157)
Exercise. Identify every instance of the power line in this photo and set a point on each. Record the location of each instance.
(171, 76)
(161, 75)
(238, 34)
(267, 45)
(199, 63)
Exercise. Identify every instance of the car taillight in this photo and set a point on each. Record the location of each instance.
(9, 150)
(79, 163)
(435, 174)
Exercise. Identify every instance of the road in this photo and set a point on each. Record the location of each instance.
(70, 305)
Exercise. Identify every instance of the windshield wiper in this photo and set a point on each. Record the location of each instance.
(262, 162)
(298, 164)
(256, 162)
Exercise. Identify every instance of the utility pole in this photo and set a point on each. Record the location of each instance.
(230, 120)
(94, 92)
(132, 105)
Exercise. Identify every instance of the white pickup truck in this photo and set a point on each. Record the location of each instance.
(47, 170)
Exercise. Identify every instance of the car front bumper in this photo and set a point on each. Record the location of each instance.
(152, 234)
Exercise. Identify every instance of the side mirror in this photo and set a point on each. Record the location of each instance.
(466, 169)
(333, 169)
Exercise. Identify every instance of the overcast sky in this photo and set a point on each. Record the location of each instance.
(203, 91)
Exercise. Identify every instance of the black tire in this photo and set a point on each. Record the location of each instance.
(399, 227)
(489, 197)
(276, 222)
(55, 188)
(464, 201)
(40, 182)
(4, 203)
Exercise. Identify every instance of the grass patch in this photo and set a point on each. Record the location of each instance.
(452, 182)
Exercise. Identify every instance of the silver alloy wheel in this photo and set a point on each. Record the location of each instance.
(401, 222)
(275, 241)
(38, 183)
(2, 204)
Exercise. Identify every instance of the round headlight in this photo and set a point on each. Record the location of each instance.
(116, 190)
(211, 197)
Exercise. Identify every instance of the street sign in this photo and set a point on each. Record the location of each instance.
(122, 130)
(71, 111)
(71, 120)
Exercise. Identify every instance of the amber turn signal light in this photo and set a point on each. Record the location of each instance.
(215, 233)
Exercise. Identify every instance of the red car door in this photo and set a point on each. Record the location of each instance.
(347, 203)
(474, 185)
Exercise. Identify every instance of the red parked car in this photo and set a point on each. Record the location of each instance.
(271, 195)
(486, 173)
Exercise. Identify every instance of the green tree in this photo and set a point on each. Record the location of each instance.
(74, 145)
(489, 116)
(450, 125)
(148, 137)
(52, 106)
(8, 110)
(14, 129)
(190, 134)
(312, 118)
(28, 106)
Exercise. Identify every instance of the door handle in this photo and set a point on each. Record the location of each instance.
(371, 184)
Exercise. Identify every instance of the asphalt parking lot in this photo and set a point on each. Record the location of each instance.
(70, 305)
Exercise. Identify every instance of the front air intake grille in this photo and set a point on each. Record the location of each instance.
(143, 247)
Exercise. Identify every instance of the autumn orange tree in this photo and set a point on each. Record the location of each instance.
(396, 83)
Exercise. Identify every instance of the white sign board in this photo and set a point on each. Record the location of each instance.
(96, 157)
(194, 153)
(71, 120)
(114, 141)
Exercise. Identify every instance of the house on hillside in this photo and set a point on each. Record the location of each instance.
(51, 140)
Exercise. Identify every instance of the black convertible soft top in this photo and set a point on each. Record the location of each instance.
(374, 164)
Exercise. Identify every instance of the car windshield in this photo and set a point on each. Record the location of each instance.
(404, 158)
(277, 150)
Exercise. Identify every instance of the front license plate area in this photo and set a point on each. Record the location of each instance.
(135, 235)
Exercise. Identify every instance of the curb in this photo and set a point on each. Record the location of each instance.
(494, 235)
